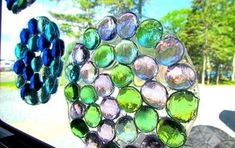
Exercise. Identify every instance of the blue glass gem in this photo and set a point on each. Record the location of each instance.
(42, 42)
(19, 50)
(32, 43)
(10, 4)
(80, 54)
(33, 26)
(72, 72)
(24, 36)
(36, 64)
(35, 82)
(127, 24)
(27, 73)
(28, 56)
(56, 67)
(24, 90)
(44, 95)
(57, 48)
(47, 57)
(19, 5)
(28, 95)
(18, 67)
(107, 28)
(51, 31)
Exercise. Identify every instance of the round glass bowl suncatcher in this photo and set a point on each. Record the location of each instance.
(38, 60)
(130, 86)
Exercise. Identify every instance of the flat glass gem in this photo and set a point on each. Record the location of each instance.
(151, 141)
(146, 119)
(80, 54)
(127, 24)
(129, 99)
(72, 72)
(77, 110)
(93, 115)
(88, 94)
(89, 72)
(104, 56)
(107, 28)
(145, 67)
(122, 75)
(79, 128)
(106, 130)
(126, 130)
(180, 76)
(19, 50)
(169, 51)
(171, 133)
(91, 39)
(92, 140)
(109, 108)
(182, 106)
(149, 33)
(126, 51)
(103, 85)
(71, 91)
(154, 94)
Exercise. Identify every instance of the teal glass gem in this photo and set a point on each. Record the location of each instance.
(44, 95)
(51, 31)
(31, 98)
(20, 81)
(110, 145)
(149, 33)
(42, 22)
(32, 43)
(36, 64)
(91, 39)
(49, 83)
(79, 128)
(88, 94)
(56, 67)
(104, 56)
(126, 51)
(55, 87)
(93, 115)
(71, 91)
(45, 73)
(19, 51)
(72, 72)
(171, 133)
(122, 75)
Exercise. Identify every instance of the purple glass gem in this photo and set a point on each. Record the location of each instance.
(151, 141)
(106, 130)
(180, 76)
(77, 110)
(103, 85)
(80, 54)
(109, 108)
(107, 28)
(127, 24)
(89, 72)
(92, 140)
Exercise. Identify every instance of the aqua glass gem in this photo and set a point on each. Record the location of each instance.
(146, 119)
(129, 99)
(122, 75)
(149, 33)
(91, 39)
(80, 54)
(49, 83)
(107, 28)
(171, 133)
(126, 130)
(19, 51)
(93, 115)
(151, 141)
(104, 56)
(154, 94)
(79, 128)
(89, 72)
(56, 67)
(103, 85)
(106, 130)
(126, 52)
(51, 31)
(72, 72)
(36, 64)
(44, 95)
(109, 108)
(92, 140)
(88, 94)
(127, 24)
(180, 76)
(77, 110)
(145, 67)
(169, 51)
(182, 106)
(71, 91)
(42, 22)
(32, 43)
(20, 81)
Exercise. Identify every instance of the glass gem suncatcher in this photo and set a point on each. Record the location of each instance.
(128, 85)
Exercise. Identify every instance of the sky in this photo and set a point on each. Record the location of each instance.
(12, 24)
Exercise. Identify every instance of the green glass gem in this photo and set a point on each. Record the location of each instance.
(36, 64)
(88, 94)
(20, 81)
(146, 119)
(171, 133)
(91, 39)
(19, 50)
(182, 106)
(122, 75)
(129, 99)
(71, 91)
(104, 56)
(149, 33)
(32, 43)
(79, 128)
(93, 115)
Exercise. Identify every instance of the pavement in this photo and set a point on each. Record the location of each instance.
(49, 122)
